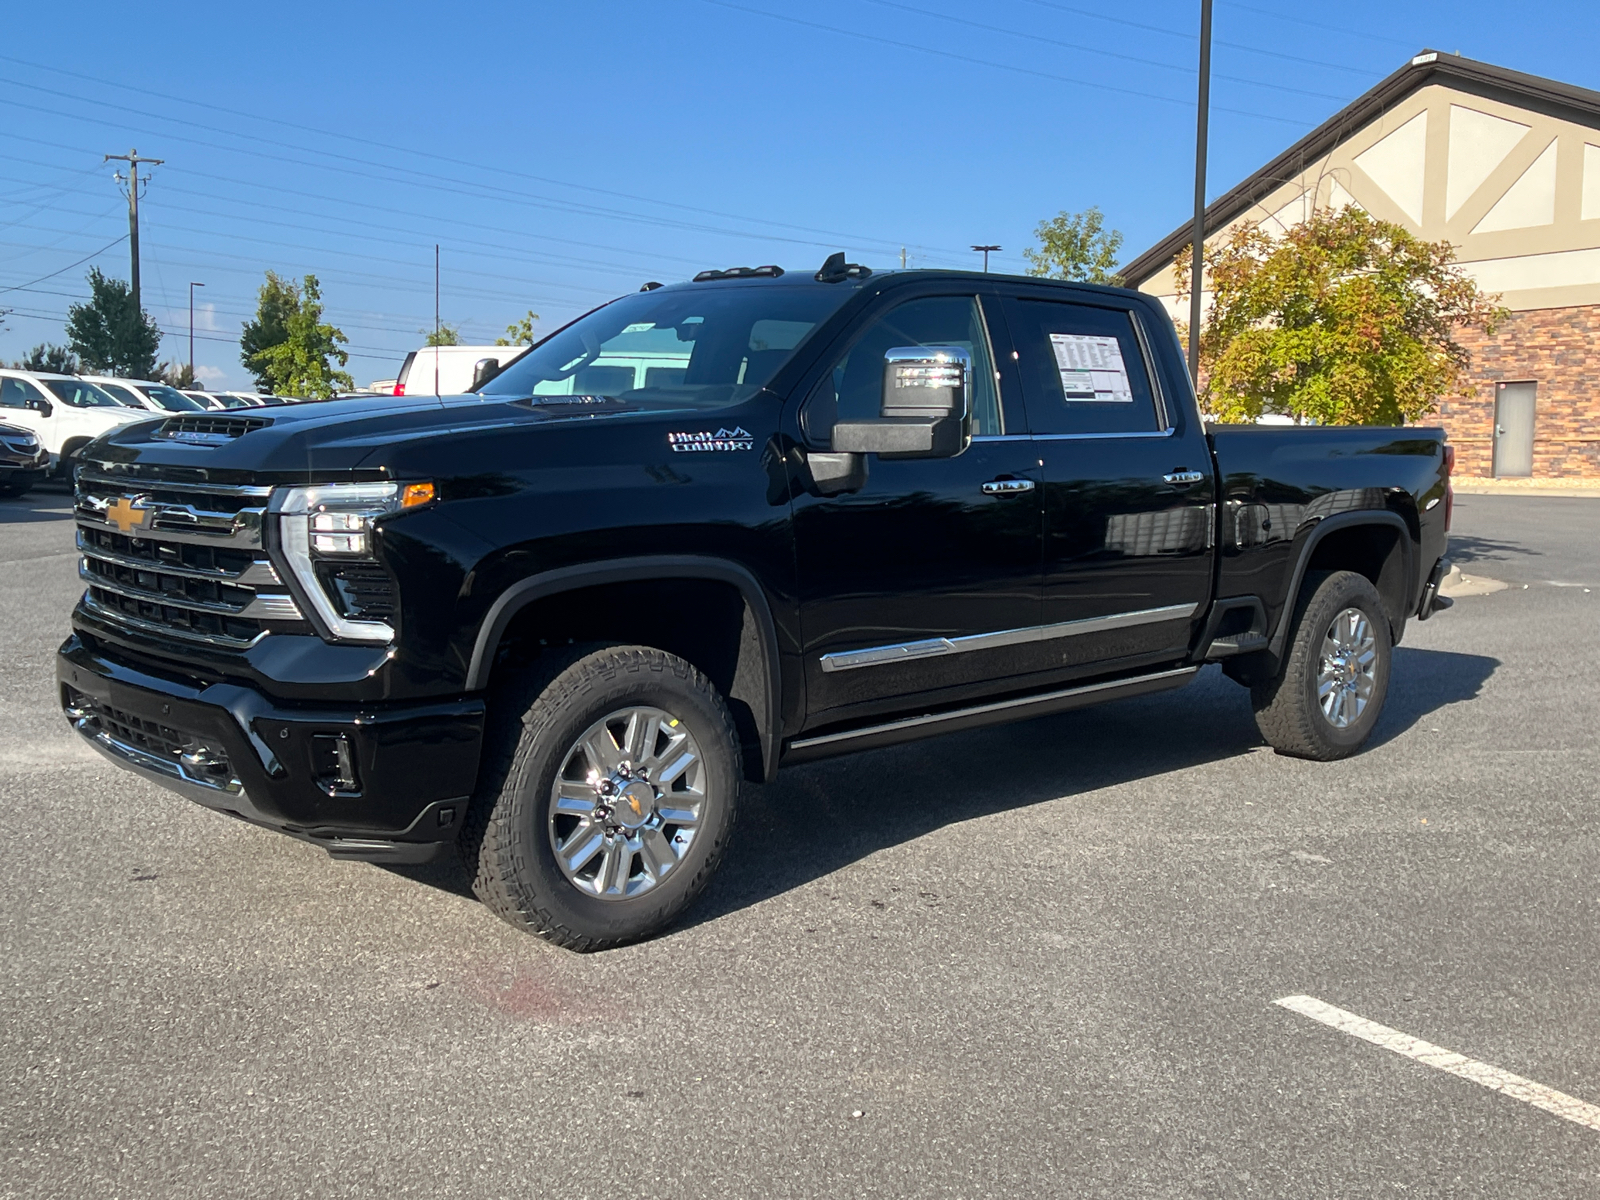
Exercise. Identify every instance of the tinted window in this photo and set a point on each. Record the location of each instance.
(854, 389)
(172, 399)
(1082, 368)
(699, 345)
(120, 394)
(80, 394)
(15, 393)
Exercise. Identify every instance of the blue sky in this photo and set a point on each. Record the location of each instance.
(561, 154)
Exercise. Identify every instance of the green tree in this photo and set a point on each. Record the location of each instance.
(1075, 246)
(53, 360)
(110, 333)
(519, 333)
(1343, 320)
(445, 335)
(295, 348)
(178, 375)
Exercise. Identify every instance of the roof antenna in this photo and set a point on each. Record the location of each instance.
(836, 270)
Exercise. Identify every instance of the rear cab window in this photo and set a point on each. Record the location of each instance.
(1083, 369)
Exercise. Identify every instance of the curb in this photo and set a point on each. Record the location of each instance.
(1588, 489)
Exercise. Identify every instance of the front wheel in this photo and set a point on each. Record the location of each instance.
(1327, 698)
(609, 789)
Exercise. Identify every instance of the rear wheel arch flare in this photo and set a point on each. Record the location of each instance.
(1378, 545)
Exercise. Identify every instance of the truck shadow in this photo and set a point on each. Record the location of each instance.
(819, 818)
(1481, 553)
(36, 507)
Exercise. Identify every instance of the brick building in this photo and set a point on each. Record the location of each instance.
(1506, 166)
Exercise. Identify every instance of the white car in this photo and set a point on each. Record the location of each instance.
(145, 394)
(448, 370)
(64, 412)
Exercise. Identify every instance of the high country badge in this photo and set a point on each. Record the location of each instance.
(723, 439)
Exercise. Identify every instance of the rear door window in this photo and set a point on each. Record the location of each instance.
(1083, 369)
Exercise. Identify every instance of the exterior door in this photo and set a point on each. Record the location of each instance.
(905, 583)
(1513, 428)
(1128, 489)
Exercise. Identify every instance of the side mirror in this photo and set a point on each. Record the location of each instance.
(925, 408)
(483, 370)
(40, 405)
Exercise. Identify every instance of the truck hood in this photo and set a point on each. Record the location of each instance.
(318, 441)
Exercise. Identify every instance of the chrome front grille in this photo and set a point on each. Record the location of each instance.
(184, 560)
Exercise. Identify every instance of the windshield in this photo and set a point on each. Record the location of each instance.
(80, 394)
(120, 394)
(697, 346)
(171, 399)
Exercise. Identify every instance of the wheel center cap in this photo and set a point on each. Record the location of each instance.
(634, 804)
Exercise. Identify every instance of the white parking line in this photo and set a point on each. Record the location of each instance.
(1559, 1103)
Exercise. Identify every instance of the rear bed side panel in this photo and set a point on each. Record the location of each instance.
(1280, 483)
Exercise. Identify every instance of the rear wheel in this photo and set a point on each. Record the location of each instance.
(1327, 698)
(609, 791)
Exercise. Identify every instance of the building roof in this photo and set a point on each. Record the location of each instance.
(1547, 96)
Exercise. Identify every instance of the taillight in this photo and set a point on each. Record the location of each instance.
(1449, 491)
(399, 389)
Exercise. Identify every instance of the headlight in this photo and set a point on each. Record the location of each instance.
(325, 538)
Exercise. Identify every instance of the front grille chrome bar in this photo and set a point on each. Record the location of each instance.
(259, 573)
(271, 607)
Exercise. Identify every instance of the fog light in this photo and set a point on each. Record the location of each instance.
(335, 763)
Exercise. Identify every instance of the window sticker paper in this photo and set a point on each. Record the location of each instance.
(1091, 368)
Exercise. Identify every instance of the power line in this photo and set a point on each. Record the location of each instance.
(1187, 36)
(983, 62)
(412, 151)
(22, 287)
(1360, 33)
(1149, 62)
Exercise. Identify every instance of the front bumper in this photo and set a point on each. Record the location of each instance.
(376, 782)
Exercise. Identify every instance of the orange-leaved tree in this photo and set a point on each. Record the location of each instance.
(1343, 320)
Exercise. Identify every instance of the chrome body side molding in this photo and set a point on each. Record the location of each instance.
(873, 656)
(996, 712)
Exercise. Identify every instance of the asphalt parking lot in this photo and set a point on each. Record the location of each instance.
(1034, 961)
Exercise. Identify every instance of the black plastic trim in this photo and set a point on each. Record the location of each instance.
(1321, 530)
(628, 570)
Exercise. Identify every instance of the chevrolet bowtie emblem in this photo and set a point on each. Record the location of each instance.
(633, 803)
(127, 515)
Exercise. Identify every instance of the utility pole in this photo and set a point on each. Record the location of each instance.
(133, 160)
(192, 286)
(902, 258)
(436, 318)
(1197, 266)
(986, 250)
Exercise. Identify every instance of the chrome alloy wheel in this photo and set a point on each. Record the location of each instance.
(1348, 671)
(626, 803)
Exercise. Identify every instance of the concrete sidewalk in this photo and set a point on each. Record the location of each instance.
(1585, 486)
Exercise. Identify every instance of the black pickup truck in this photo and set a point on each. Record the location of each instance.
(706, 530)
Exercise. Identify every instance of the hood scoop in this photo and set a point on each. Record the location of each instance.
(201, 430)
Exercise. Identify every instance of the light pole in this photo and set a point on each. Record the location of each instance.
(1197, 266)
(192, 286)
(986, 250)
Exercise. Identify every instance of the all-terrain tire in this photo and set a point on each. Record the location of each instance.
(534, 724)
(1288, 710)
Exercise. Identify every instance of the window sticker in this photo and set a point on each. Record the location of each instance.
(1091, 368)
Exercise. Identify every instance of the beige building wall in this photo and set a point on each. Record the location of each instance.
(1518, 193)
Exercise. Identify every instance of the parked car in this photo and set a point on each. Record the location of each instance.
(146, 394)
(23, 460)
(245, 399)
(209, 400)
(64, 412)
(450, 370)
(554, 629)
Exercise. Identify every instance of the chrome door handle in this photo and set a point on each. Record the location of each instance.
(1007, 487)
(1183, 478)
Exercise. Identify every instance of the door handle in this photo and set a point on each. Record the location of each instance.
(1183, 478)
(1007, 487)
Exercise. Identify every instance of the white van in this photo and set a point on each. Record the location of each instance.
(65, 413)
(456, 366)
